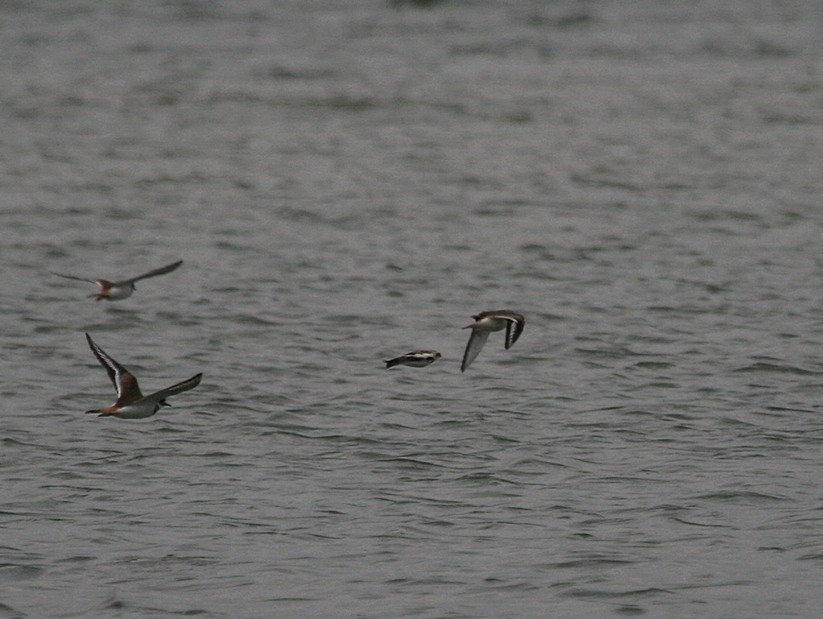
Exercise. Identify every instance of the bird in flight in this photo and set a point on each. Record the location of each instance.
(131, 403)
(122, 289)
(487, 322)
(415, 359)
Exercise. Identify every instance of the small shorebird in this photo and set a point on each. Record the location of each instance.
(485, 323)
(115, 291)
(131, 403)
(415, 359)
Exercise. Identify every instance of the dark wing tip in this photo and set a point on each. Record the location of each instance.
(195, 380)
(76, 277)
(94, 347)
(170, 267)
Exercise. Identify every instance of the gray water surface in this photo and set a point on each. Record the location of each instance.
(348, 181)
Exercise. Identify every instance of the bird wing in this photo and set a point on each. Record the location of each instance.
(514, 327)
(79, 279)
(117, 373)
(473, 348)
(161, 271)
(191, 383)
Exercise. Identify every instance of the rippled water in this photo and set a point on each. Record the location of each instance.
(350, 181)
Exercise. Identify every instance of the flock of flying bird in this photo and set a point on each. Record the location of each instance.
(132, 404)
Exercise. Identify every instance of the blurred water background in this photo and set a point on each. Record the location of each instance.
(350, 180)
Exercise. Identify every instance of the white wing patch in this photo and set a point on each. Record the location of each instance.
(114, 369)
(514, 328)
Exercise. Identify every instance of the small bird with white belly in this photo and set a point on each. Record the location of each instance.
(415, 359)
(487, 322)
(121, 289)
(131, 403)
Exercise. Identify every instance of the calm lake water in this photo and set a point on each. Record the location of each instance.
(349, 181)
